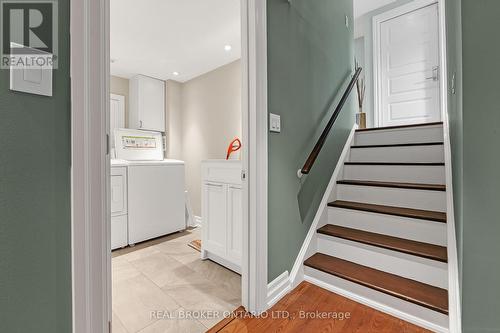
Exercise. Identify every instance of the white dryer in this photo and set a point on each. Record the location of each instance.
(155, 186)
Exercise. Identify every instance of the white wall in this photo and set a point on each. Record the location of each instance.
(204, 117)
(174, 120)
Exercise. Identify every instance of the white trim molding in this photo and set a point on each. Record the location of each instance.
(454, 300)
(278, 288)
(255, 160)
(91, 251)
(198, 221)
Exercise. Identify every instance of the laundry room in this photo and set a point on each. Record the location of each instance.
(175, 136)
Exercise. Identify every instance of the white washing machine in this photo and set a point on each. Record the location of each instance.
(155, 186)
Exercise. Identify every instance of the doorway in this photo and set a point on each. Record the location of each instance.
(406, 62)
(90, 64)
(184, 108)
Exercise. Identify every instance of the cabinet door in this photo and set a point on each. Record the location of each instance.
(152, 104)
(118, 191)
(214, 218)
(234, 224)
(119, 232)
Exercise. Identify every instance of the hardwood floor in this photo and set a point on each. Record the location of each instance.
(304, 305)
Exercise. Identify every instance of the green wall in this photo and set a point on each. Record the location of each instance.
(473, 53)
(35, 221)
(481, 165)
(310, 57)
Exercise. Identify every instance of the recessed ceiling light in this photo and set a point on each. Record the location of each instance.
(176, 73)
(227, 48)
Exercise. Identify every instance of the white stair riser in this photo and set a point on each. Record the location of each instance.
(418, 230)
(409, 198)
(396, 173)
(394, 306)
(434, 153)
(411, 267)
(402, 135)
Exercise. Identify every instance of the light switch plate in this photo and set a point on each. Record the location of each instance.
(274, 123)
(33, 80)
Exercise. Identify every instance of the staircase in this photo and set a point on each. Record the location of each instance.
(384, 241)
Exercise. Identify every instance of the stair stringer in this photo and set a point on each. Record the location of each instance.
(309, 246)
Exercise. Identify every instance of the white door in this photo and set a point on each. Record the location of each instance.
(116, 115)
(234, 223)
(119, 228)
(214, 208)
(409, 73)
(118, 191)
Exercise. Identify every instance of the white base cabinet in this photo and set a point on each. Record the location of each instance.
(119, 209)
(222, 214)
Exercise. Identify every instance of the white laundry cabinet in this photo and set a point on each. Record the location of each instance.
(222, 214)
(119, 209)
(147, 103)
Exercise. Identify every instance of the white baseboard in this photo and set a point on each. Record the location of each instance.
(278, 288)
(197, 221)
(297, 273)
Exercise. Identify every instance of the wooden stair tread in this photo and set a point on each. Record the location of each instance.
(424, 250)
(413, 186)
(400, 145)
(399, 126)
(422, 294)
(390, 210)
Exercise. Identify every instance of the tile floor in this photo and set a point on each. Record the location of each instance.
(165, 277)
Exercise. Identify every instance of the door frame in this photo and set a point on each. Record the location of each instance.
(90, 170)
(377, 80)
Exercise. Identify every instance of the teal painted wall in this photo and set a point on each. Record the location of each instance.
(310, 58)
(481, 165)
(35, 221)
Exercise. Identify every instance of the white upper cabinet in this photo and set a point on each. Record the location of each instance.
(147, 103)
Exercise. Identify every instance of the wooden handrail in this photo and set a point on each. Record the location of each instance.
(321, 141)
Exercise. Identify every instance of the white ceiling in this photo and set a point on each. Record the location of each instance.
(159, 37)
(362, 7)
